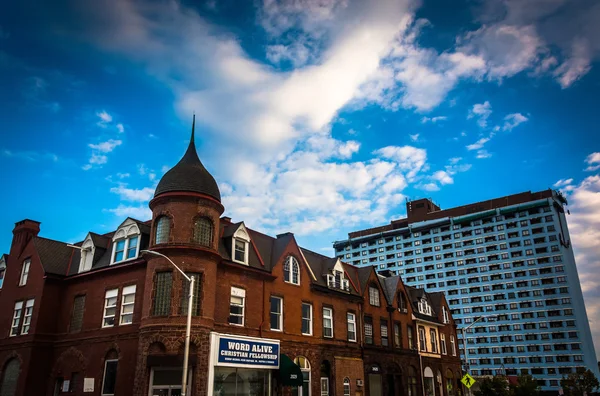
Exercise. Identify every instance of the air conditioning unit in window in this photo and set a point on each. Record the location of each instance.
(359, 382)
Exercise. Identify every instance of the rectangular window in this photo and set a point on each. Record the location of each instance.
(240, 251)
(2, 272)
(368, 330)
(411, 337)
(433, 339)
(119, 250)
(185, 294)
(27, 316)
(110, 377)
(162, 296)
(327, 322)
(452, 345)
(16, 322)
(384, 332)
(374, 296)
(77, 314)
(276, 313)
(422, 339)
(306, 319)
(443, 343)
(236, 306)
(24, 272)
(110, 307)
(351, 318)
(127, 304)
(324, 386)
(397, 335)
(132, 247)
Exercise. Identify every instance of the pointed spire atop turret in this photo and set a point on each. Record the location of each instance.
(189, 174)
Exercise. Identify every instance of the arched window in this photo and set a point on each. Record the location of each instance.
(203, 231)
(163, 228)
(402, 302)
(10, 377)
(429, 385)
(346, 386)
(412, 381)
(304, 365)
(291, 270)
(450, 383)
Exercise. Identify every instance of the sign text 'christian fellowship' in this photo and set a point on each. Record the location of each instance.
(254, 352)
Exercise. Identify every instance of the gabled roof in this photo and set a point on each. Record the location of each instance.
(390, 285)
(54, 255)
(416, 294)
(321, 266)
(363, 276)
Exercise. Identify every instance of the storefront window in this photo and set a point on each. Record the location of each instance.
(428, 382)
(167, 381)
(232, 381)
(412, 381)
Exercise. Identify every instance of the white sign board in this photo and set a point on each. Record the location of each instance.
(88, 384)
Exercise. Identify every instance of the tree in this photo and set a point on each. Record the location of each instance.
(495, 386)
(576, 384)
(526, 386)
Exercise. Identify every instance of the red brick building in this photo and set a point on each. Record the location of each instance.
(102, 317)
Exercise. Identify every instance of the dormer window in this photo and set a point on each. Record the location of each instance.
(374, 296)
(291, 271)
(240, 245)
(424, 307)
(87, 254)
(126, 242)
(402, 303)
(445, 315)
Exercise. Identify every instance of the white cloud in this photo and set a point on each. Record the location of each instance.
(481, 111)
(141, 212)
(106, 147)
(120, 128)
(513, 120)
(414, 137)
(584, 230)
(123, 175)
(443, 177)
(454, 160)
(593, 161)
(429, 187)
(98, 159)
(128, 194)
(562, 183)
(408, 158)
(104, 117)
(478, 144)
(483, 154)
(433, 119)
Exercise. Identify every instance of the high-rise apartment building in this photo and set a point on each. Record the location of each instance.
(509, 274)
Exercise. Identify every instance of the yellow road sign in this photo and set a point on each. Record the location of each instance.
(468, 381)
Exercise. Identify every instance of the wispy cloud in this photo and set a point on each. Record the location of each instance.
(513, 120)
(414, 137)
(105, 119)
(107, 146)
(478, 144)
(433, 120)
(129, 194)
(481, 111)
(31, 155)
(483, 154)
(593, 161)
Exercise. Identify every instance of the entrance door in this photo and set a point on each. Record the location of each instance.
(167, 382)
(375, 385)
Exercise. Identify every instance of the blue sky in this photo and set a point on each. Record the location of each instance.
(315, 116)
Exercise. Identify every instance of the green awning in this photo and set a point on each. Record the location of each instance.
(473, 217)
(523, 207)
(289, 372)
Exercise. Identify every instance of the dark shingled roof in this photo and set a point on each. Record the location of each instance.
(189, 175)
(415, 294)
(389, 286)
(54, 255)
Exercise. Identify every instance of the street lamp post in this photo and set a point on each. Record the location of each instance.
(467, 365)
(186, 354)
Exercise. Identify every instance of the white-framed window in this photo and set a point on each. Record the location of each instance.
(304, 365)
(383, 327)
(236, 306)
(424, 307)
(16, 322)
(327, 322)
(87, 254)
(373, 296)
(24, 272)
(351, 319)
(110, 307)
(445, 315)
(433, 340)
(346, 386)
(126, 242)
(240, 245)
(422, 339)
(452, 345)
(127, 305)
(291, 270)
(276, 313)
(307, 317)
(324, 386)
(109, 379)
(443, 343)
(27, 316)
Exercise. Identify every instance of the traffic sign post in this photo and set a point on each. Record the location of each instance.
(467, 381)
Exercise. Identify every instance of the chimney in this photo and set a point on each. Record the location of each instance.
(23, 232)
(226, 219)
